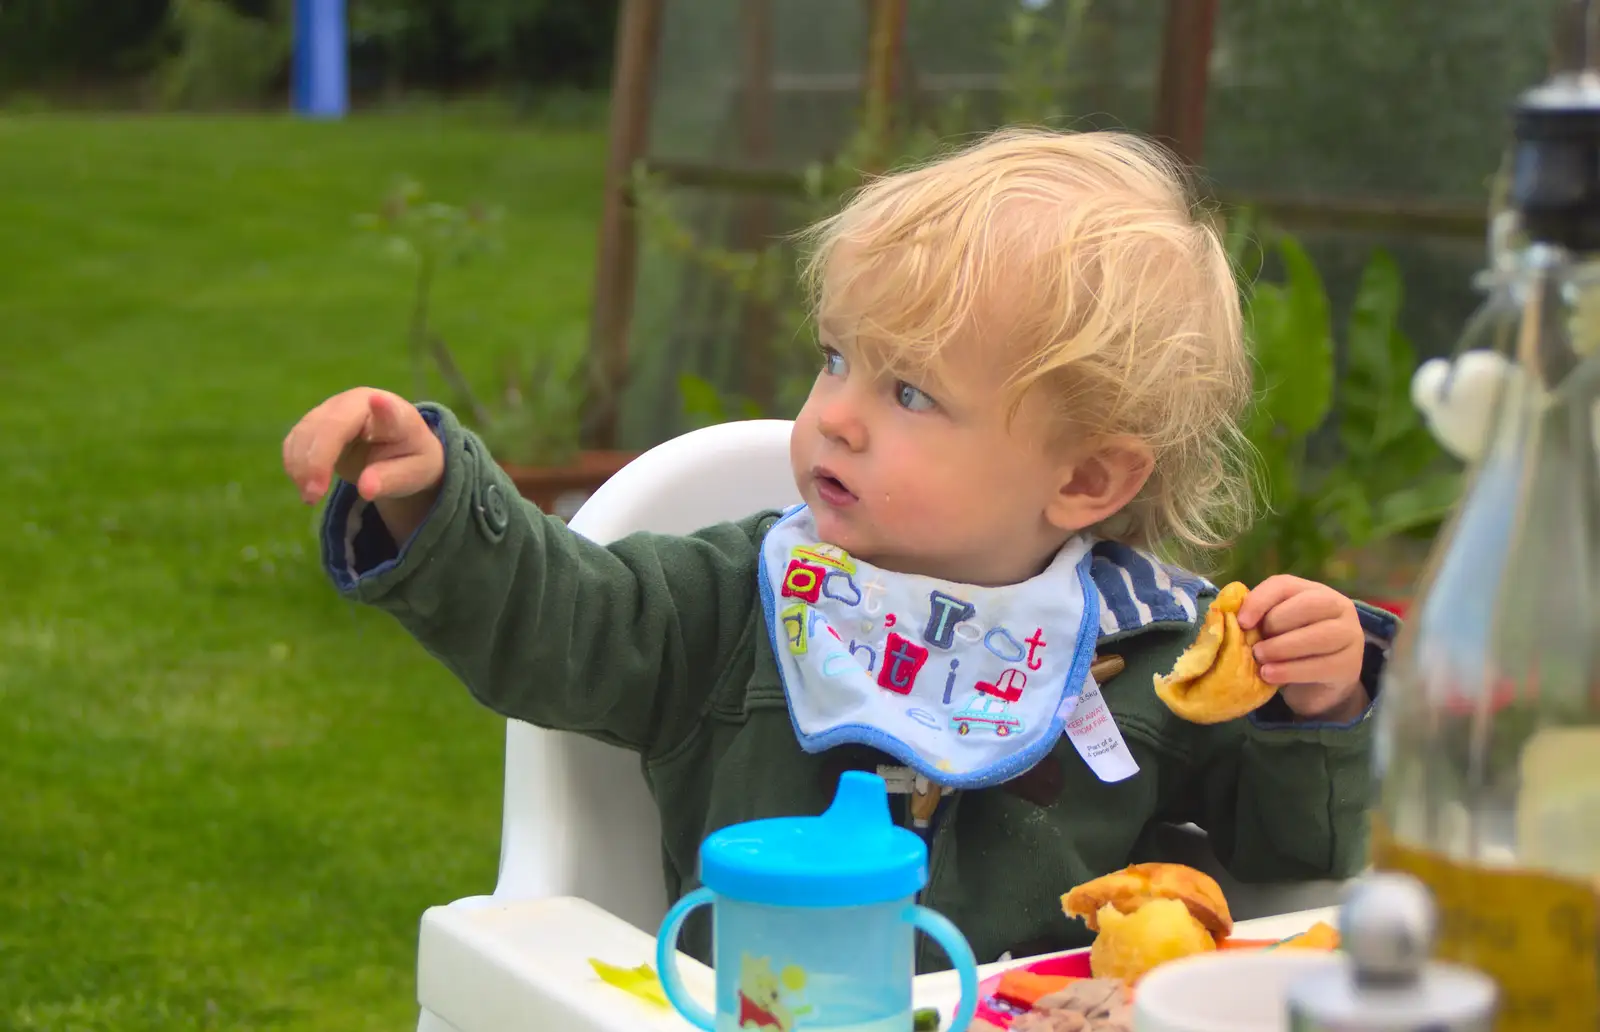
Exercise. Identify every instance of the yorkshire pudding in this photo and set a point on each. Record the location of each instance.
(1217, 679)
(1132, 887)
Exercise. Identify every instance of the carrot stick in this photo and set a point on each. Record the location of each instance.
(1024, 988)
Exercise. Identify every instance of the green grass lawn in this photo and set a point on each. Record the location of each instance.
(225, 795)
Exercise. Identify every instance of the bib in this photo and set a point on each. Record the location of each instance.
(968, 686)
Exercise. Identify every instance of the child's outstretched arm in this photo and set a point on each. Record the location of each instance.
(623, 642)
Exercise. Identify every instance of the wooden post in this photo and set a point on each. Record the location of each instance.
(1573, 37)
(756, 214)
(755, 65)
(1099, 27)
(886, 30)
(638, 39)
(1180, 116)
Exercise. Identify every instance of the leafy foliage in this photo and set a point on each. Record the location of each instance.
(224, 58)
(533, 415)
(1384, 474)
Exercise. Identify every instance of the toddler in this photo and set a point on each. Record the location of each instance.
(1032, 376)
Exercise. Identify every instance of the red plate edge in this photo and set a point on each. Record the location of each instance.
(1072, 965)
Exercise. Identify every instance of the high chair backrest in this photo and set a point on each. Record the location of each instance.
(578, 819)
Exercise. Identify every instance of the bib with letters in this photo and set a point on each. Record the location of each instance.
(969, 686)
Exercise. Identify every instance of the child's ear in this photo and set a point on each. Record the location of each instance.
(1100, 483)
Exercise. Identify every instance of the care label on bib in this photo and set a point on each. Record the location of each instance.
(1096, 736)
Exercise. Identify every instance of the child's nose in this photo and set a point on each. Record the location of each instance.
(840, 421)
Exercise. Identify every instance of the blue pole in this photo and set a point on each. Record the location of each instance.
(321, 57)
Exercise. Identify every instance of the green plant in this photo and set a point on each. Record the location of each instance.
(704, 405)
(224, 58)
(432, 236)
(1039, 62)
(1345, 461)
(382, 26)
(533, 414)
(536, 412)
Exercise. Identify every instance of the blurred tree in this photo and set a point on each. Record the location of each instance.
(224, 57)
(44, 42)
(522, 44)
(528, 45)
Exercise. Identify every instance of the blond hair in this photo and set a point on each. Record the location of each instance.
(1118, 302)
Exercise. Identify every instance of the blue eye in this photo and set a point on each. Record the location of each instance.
(912, 399)
(833, 363)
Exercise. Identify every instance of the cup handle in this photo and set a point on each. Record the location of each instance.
(667, 960)
(939, 928)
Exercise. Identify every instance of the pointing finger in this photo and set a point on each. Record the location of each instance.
(386, 422)
(327, 436)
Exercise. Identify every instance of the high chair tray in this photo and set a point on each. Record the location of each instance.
(486, 966)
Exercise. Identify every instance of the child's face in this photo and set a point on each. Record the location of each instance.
(928, 477)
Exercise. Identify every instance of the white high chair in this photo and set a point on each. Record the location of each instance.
(578, 820)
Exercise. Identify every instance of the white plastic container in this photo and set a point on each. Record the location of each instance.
(1230, 991)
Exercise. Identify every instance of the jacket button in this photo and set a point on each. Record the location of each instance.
(496, 515)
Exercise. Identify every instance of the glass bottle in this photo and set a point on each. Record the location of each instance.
(1488, 732)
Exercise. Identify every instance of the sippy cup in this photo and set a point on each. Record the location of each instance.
(814, 922)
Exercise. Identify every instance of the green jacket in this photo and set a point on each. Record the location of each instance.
(658, 644)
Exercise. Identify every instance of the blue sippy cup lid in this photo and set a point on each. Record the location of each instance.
(852, 855)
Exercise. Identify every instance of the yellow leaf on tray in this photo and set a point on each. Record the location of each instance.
(640, 981)
(1320, 936)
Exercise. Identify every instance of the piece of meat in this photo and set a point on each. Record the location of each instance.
(1051, 1021)
(1087, 1005)
(1086, 995)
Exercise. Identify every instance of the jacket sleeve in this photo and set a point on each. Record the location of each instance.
(1281, 799)
(624, 642)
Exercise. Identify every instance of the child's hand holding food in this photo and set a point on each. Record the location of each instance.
(375, 440)
(1311, 646)
(1288, 637)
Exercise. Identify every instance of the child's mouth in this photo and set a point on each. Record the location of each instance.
(832, 490)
